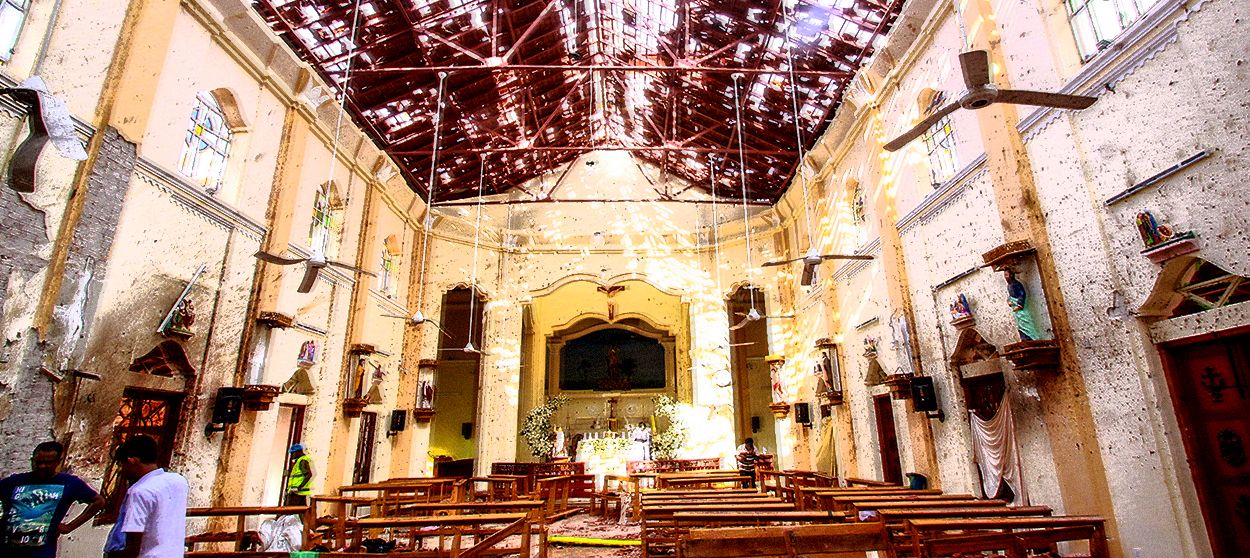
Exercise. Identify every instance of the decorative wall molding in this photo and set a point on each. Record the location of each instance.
(195, 200)
(1138, 44)
(946, 194)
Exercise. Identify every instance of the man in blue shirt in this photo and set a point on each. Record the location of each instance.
(35, 504)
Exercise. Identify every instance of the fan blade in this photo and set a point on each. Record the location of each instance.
(975, 65)
(845, 257)
(740, 325)
(277, 260)
(310, 277)
(1042, 99)
(782, 317)
(397, 317)
(748, 343)
(915, 132)
(781, 262)
(809, 273)
(351, 268)
(440, 328)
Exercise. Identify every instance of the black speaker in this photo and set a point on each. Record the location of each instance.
(755, 424)
(923, 395)
(466, 430)
(399, 419)
(228, 405)
(803, 413)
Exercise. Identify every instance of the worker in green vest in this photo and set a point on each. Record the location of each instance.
(299, 483)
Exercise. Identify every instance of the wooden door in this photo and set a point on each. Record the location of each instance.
(1210, 385)
(887, 440)
(364, 448)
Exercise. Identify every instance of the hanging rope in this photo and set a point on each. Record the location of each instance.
(429, 188)
(742, 178)
(477, 235)
(347, 76)
(798, 134)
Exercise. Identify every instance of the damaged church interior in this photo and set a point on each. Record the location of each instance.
(625, 278)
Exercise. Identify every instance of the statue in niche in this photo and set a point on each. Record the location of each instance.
(1018, 300)
(901, 334)
(426, 393)
(1151, 232)
(307, 353)
(960, 310)
(182, 318)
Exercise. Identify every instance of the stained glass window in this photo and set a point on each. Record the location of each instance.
(1096, 23)
(390, 265)
(207, 144)
(319, 230)
(12, 16)
(939, 141)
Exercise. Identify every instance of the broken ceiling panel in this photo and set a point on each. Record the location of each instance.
(531, 85)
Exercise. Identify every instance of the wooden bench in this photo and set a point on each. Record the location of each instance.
(698, 518)
(872, 505)
(963, 535)
(815, 497)
(660, 530)
(790, 542)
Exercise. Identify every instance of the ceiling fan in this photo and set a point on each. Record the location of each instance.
(316, 263)
(418, 318)
(812, 259)
(754, 315)
(981, 93)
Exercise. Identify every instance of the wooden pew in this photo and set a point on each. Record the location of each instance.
(791, 541)
(615, 489)
(335, 525)
(660, 530)
(240, 513)
(818, 497)
(872, 505)
(738, 518)
(1031, 532)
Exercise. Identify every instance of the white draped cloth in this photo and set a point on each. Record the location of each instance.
(994, 449)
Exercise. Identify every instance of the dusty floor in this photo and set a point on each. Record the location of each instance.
(585, 525)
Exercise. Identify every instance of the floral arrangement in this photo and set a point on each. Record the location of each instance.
(666, 444)
(538, 432)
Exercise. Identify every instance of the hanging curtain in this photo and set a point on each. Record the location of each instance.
(994, 449)
(827, 450)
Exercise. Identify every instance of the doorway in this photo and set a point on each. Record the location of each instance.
(1209, 380)
(456, 381)
(291, 428)
(887, 440)
(364, 448)
(752, 384)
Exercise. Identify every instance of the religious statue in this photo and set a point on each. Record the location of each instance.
(183, 317)
(1018, 300)
(307, 353)
(960, 310)
(1151, 232)
(558, 445)
(779, 395)
(425, 392)
(901, 338)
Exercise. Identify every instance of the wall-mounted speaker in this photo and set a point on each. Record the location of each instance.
(227, 406)
(466, 430)
(923, 394)
(399, 421)
(755, 424)
(803, 413)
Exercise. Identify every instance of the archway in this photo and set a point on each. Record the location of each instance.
(752, 386)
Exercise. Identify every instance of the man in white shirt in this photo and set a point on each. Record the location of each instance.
(152, 522)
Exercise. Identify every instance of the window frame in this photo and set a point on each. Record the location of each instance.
(942, 155)
(206, 165)
(22, 7)
(1084, 11)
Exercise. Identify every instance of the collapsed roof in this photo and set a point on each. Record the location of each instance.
(527, 86)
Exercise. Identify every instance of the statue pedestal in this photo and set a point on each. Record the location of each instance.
(1179, 245)
(257, 397)
(780, 410)
(353, 406)
(900, 386)
(422, 415)
(1041, 355)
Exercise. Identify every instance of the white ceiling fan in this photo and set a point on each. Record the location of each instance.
(315, 264)
(812, 259)
(417, 318)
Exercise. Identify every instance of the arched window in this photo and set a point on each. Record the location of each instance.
(207, 144)
(390, 265)
(326, 211)
(939, 140)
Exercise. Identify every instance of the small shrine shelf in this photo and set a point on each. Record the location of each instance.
(1009, 254)
(259, 397)
(1040, 355)
(900, 385)
(354, 406)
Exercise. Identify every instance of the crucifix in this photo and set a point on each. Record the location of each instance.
(611, 292)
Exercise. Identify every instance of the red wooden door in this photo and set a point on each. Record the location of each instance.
(887, 439)
(1210, 384)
